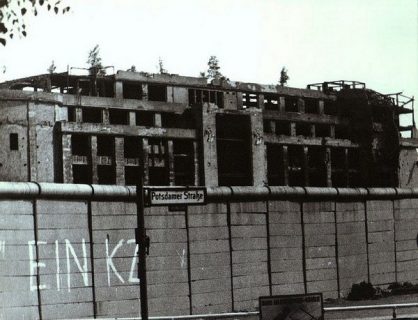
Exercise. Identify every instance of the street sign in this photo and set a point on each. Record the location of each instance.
(295, 307)
(156, 196)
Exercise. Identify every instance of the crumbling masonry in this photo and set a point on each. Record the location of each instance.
(185, 131)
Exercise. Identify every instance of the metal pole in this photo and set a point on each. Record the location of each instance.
(141, 241)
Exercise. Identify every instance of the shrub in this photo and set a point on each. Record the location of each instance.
(361, 291)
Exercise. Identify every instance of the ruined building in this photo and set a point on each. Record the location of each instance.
(183, 131)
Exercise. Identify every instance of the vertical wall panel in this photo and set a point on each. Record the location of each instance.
(406, 237)
(286, 247)
(320, 253)
(64, 249)
(18, 283)
(167, 266)
(210, 267)
(352, 250)
(381, 244)
(115, 259)
(249, 254)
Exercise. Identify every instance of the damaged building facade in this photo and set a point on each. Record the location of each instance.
(185, 131)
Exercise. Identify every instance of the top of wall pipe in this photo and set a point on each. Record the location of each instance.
(32, 190)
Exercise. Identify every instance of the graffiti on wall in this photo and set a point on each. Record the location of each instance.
(70, 259)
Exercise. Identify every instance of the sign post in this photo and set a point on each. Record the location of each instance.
(141, 240)
(157, 196)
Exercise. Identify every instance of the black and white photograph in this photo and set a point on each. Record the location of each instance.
(208, 159)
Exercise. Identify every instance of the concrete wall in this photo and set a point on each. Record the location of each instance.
(33, 122)
(72, 258)
(408, 177)
(14, 163)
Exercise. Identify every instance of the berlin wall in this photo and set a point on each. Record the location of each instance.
(69, 251)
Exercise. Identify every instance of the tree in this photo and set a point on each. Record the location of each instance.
(161, 66)
(213, 69)
(283, 77)
(51, 69)
(95, 61)
(12, 13)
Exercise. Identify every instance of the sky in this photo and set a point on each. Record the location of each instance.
(373, 41)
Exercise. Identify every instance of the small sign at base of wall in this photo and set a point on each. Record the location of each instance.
(292, 307)
(160, 196)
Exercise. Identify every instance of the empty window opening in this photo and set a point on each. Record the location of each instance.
(275, 165)
(144, 118)
(296, 166)
(105, 146)
(249, 100)
(311, 106)
(338, 158)
(212, 96)
(354, 179)
(175, 120)
(322, 130)
(381, 114)
(271, 101)
(220, 99)
(192, 97)
(342, 132)
(233, 140)
(83, 87)
(14, 141)
(71, 114)
(81, 174)
(384, 177)
(132, 90)
(330, 108)
(269, 126)
(283, 128)
(92, 115)
(354, 159)
(117, 116)
(205, 96)
(105, 88)
(132, 175)
(171, 120)
(338, 168)
(132, 147)
(183, 153)
(291, 104)
(157, 92)
(80, 145)
(199, 96)
(157, 162)
(316, 167)
(106, 174)
(303, 129)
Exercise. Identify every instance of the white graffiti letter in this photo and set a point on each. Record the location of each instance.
(2, 248)
(109, 262)
(132, 278)
(33, 265)
(69, 248)
(57, 261)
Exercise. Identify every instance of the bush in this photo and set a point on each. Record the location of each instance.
(403, 288)
(362, 291)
